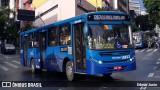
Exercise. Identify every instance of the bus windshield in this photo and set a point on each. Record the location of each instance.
(108, 36)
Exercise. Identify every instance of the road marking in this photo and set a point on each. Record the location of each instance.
(10, 64)
(155, 67)
(4, 68)
(152, 52)
(158, 63)
(157, 76)
(155, 50)
(16, 62)
(151, 75)
(148, 50)
(143, 88)
(142, 50)
(136, 50)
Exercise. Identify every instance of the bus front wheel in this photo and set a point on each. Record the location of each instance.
(34, 70)
(69, 71)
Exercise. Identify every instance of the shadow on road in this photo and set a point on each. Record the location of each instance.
(55, 79)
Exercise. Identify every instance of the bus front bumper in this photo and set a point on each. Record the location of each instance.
(105, 68)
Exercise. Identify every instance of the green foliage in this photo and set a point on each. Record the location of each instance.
(28, 26)
(4, 19)
(153, 8)
(8, 27)
(144, 23)
(134, 27)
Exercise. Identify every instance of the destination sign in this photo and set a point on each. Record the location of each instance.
(108, 17)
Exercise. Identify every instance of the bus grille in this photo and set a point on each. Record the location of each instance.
(112, 61)
(115, 53)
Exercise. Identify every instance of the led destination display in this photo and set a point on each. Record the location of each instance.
(108, 17)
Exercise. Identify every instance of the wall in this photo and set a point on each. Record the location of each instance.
(38, 3)
(66, 9)
(54, 10)
(83, 7)
(95, 3)
(46, 17)
(11, 7)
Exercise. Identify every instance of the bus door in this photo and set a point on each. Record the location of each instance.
(25, 48)
(43, 45)
(79, 46)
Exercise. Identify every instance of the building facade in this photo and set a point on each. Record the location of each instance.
(134, 5)
(4, 3)
(110, 5)
(123, 6)
(143, 12)
(50, 11)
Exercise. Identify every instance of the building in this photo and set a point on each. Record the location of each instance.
(133, 15)
(135, 5)
(143, 12)
(4, 3)
(50, 11)
(95, 3)
(123, 6)
(109, 5)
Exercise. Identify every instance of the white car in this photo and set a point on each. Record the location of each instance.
(8, 48)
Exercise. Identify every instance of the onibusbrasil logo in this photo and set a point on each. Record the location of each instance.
(21, 84)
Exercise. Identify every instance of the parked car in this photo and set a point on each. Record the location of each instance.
(8, 48)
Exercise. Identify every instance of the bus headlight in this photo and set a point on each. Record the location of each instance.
(131, 59)
(97, 61)
(100, 62)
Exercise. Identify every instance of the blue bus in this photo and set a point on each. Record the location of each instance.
(92, 43)
(140, 39)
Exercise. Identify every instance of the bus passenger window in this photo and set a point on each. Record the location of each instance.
(52, 36)
(31, 40)
(65, 34)
(36, 39)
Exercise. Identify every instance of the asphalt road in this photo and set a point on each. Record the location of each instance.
(148, 69)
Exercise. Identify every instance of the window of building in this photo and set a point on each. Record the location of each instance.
(105, 5)
(65, 34)
(53, 36)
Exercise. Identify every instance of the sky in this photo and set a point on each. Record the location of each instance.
(141, 1)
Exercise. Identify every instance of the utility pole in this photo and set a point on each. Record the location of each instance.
(96, 5)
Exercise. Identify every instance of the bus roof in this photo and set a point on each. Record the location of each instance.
(84, 16)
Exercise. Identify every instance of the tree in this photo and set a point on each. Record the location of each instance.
(134, 27)
(153, 8)
(144, 23)
(8, 27)
(4, 16)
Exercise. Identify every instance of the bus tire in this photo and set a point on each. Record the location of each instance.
(33, 69)
(69, 71)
